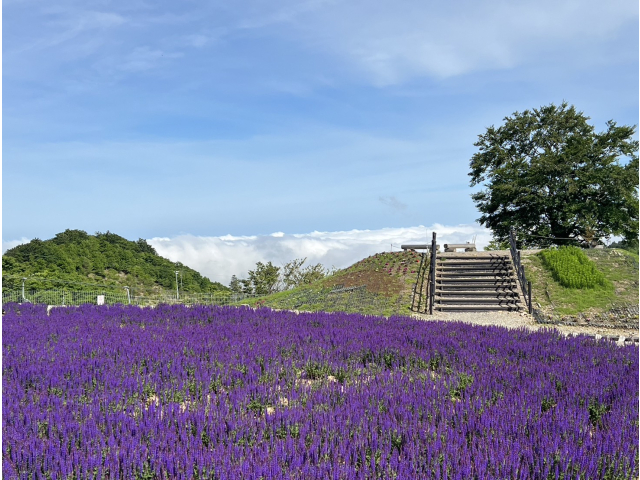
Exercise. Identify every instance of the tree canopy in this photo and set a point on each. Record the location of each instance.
(268, 278)
(548, 174)
(75, 260)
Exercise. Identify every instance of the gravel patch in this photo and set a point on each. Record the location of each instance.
(522, 320)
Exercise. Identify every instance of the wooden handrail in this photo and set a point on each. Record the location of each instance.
(419, 286)
(432, 274)
(524, 284)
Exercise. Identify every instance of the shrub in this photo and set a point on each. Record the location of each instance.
(572, 268)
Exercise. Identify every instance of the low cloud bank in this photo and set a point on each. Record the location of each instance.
(220, 257)
(9, 244)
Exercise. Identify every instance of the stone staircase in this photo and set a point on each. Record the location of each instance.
(476, 281)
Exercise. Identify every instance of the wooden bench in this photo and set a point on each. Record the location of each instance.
(452, 247)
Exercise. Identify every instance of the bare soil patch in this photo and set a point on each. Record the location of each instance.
(376, 282)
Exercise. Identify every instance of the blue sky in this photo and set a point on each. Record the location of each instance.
(167, 119)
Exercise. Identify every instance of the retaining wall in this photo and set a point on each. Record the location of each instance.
(623, 317)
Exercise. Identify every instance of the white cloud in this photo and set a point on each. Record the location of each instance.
(389, 42)
(68, 25)
(197, 41)
(145, 58)
(6, 245)
(394, 41)
(220, 257)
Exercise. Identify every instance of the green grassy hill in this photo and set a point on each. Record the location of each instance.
(386, 284)
(379, 284)
(75, 260)
(620, 269)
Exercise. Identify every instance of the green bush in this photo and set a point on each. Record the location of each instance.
(572, 268)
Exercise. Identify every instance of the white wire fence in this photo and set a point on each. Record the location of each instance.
(70, 297)
(340, 299)
(352, 300)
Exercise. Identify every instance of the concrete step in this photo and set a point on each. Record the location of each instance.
(477, 308)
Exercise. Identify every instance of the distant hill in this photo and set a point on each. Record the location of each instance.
(75, 260)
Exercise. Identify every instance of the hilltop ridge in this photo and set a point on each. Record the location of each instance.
(76, 260)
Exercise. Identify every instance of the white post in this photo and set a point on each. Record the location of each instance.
(23, 297)
(128, 295)
(177, 294)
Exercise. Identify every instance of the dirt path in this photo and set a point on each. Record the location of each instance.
(518, 320)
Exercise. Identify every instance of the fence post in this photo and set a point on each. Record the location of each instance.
(432, 274)
(524, 284)
(24, 299)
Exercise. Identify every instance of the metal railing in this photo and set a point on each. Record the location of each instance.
(351, 299)
(63, 297)
(524, 284)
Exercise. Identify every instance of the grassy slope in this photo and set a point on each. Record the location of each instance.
(618, 266)
(389, 293)
(389, 279)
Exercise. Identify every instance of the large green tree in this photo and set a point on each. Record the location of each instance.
(548, 174)
(265, 278)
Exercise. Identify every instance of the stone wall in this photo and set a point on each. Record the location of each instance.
(620, 317)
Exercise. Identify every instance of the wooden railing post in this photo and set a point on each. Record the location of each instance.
(524, 284)
(432, 274)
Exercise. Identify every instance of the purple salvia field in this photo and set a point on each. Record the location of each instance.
(227, 393)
